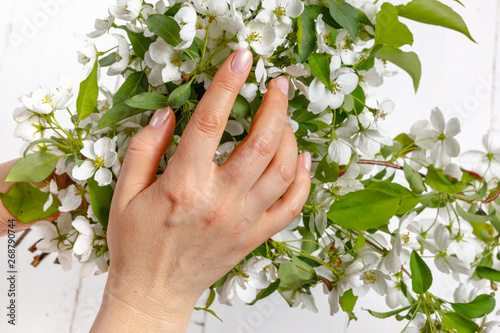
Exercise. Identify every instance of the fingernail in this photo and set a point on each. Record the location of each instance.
(282, 84)
(241, 61)
(160, 117)
(307, 160)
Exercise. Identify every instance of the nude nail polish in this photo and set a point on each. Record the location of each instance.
(307, 160)
(160, 117)
(282, 84)
(242, 61)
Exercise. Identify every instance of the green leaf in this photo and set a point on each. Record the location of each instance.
(320, 67)
(479, 307)
(348, 301)
(148, 101)
(470, 217)
(389, 30)
(25, 202)
(100, 197)
(89, 92)
(407, 61)
(135, 84)
(108, 60)
(359, 99)
(306, 36)
(266, 292)
(118, 113)
(345, 15)
(173, 10)
(242, 107)
(442, 183)
(209, 311)
(295, 273)
(309, 243)
(360, 242)
(33, 168)
(140, 43)
(421, 276)
(327, 172)
(211, 298)
(383, 315)
(165, 27)
(179, 96)
(415, 180)
(363, 210)
(436, 13)
(488, 273)
(460, 323)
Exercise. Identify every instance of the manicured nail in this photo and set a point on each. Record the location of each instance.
(160, 117)
(282, 84)
(307, 160)
(241, 61)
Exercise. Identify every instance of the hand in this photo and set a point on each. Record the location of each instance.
(171, 238)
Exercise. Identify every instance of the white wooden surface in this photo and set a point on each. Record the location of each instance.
(458, 76)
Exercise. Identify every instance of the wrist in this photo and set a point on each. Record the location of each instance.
(140, 308)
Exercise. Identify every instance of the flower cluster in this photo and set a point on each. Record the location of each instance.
(382, 210)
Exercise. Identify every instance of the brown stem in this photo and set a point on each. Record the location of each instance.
(20, 239)
(384, 163)
(407, 273)
(326, 282)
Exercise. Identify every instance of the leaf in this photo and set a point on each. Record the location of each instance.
(383, 315)
(345, 15)
(25, 202)
(479, 307)
(242, 107)
(108, 60)
(89, 92)
(148, 101)
(470, 217)
(100, 198)
(327, 172)
(363, 210)
(118, 113)
(179, 96)
(389, 30)
(320, 67)
(165, 27)
(295, 273)
(348, 301)
(442, 183)
(309, 243)
(135, 84)
(173, 10)
(209, 311)
(33, 168)
(360, 242)
(421, 276)
(488, 273)
(266, 292)
(407, 61)
(306, 36)
(415, 180)
(140, 43)
(211, 298)
(460, 323)
(436, 13)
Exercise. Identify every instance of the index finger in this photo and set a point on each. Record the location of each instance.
(205, 128)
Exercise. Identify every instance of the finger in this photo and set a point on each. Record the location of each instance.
(252, 156)
(205, 128)
(278, 176)
(286, 209)
(143, 156)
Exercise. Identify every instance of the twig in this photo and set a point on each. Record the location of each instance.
(20, 239)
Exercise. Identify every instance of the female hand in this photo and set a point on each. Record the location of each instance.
(171, 238)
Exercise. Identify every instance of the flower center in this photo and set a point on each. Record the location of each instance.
(441, 137)
(221, 40)
(279, 11)
(254, 37)
(369, 277)
(406, 238)
(48, 100)
(99, 161)
(176, 60)
(336, 88)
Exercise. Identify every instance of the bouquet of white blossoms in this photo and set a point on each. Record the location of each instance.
(378, 205)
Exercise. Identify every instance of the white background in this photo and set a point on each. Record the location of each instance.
(37, 43)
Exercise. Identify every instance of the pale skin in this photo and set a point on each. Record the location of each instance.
(170, 238)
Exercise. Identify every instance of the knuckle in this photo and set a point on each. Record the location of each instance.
(224, 87)
(294, 209)
(137, 144)
(263, 145)
(208, 123)
(286, 173)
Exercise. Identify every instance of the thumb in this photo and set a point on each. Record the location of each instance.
(143, 155)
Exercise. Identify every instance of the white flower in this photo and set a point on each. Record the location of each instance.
(367, 138)
(384, 109)
(100, 155)
(485, 163)
(30, 127)
(343, 81)
(87, 55)
(261, 75)
(279, 12)
(321, 201)
(349, 57)
(375, 75)
(287, 234)
(186, 17)
(258, 35)
(440, 138)
(256, 274)
(126, 10)
(169, 62)
(223, 152)
(305, 301)
(101, 27)
(71, 198)
(55, 239)
(339, 151)
(324, 32)
(372, 278)
(47, 100)
(83, 244)
(394, 296)
(50, 188)
(399, 255)
(211, 7)
(122, 54)
(292, 72)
